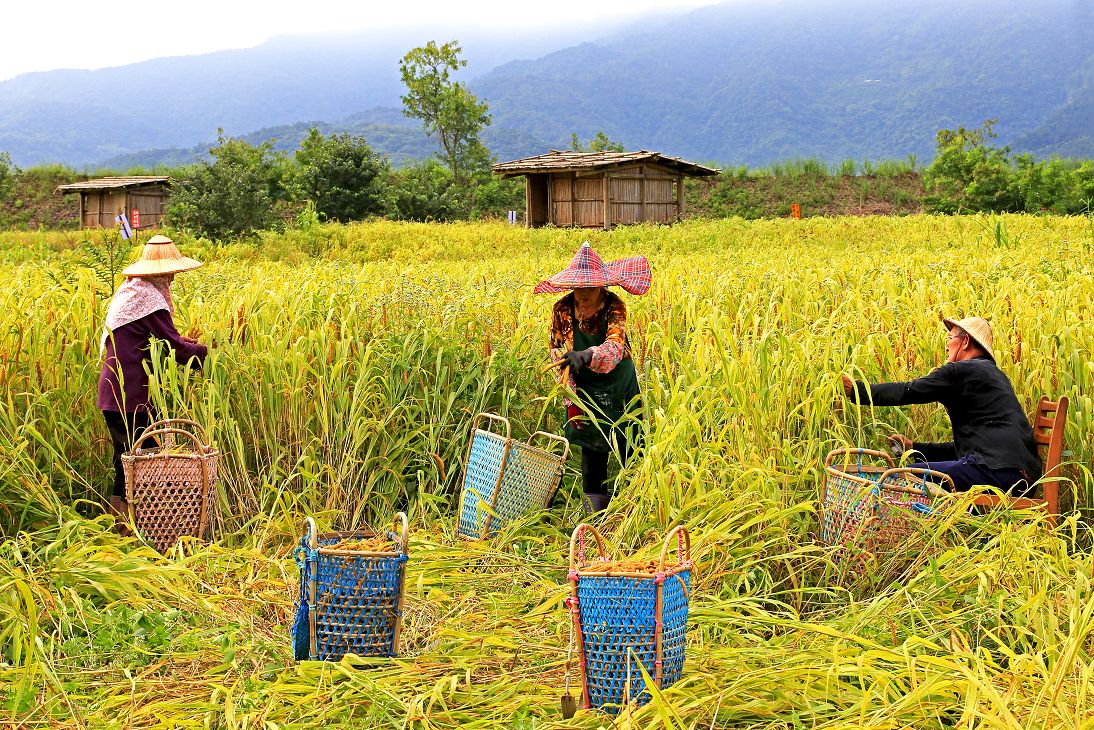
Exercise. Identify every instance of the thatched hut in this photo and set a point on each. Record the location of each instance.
(102, 199)
(602, 189)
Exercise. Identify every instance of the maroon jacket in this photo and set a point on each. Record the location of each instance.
(126, 352)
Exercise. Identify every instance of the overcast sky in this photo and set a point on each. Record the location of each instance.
(47, 34)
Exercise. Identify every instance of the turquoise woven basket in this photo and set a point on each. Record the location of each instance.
(505, 478)
(626, 622)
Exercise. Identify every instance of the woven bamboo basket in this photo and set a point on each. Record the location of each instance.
(168, 486)
(622, 619)
(506, 478)
(875, 507)
(353, 598)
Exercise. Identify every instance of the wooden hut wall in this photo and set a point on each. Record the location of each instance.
(149, 201)
(643, 193)
(577, 201)
(99, 208)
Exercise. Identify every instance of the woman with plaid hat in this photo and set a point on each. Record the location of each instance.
(589, 344)
(992, 440)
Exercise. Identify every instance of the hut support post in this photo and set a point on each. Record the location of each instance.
(551, 218)
(607, 202)
(527, 201)
(573, 201)
(642, 194)
(680, 198)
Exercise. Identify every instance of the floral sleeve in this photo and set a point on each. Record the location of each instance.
(562, 339)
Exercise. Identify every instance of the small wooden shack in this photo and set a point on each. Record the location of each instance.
(102, 199)
(602, 189)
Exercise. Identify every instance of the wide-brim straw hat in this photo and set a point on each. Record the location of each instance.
(977, 328)
(160, 257)
(588, 269)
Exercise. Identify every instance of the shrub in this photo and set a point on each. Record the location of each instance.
(232, 196)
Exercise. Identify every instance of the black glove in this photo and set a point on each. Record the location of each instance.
(578, 360)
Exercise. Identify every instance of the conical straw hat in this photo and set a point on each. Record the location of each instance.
(977, 328)
(160, 256)
(588, 269)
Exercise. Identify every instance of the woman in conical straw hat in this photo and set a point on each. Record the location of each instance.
(589, 344)
(140, 310)
(992, 440)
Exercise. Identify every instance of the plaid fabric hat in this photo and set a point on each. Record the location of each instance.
(588, 269)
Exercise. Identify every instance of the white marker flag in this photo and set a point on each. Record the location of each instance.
(127, 232)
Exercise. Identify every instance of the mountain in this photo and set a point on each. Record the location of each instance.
(742, 82)
(762, 81)
(385, 128)
(83, 117)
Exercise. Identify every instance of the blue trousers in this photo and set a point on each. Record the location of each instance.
(968, 471)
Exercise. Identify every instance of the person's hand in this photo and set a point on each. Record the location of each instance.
(899, 443)
(191, 340)
(848, 385)
(578, 360)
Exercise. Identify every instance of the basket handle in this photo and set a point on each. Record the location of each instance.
(149, 433)
(577, 551)
(554, 437)
(928, 488)
(311, 532)
(404, 537)
(857, 452)
(683, 547)
(492, 417)
(179, 422)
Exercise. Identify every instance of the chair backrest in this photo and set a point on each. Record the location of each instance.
(1048, 431)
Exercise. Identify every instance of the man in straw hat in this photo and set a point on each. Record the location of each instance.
(992, 440)
(140, 310)
(592, 356)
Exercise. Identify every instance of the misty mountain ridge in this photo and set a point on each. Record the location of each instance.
(736, 83)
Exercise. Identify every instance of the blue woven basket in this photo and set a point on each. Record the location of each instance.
(506, 479)
(354, 598)
(623, 619)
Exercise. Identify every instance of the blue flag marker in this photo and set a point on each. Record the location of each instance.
(127, 232)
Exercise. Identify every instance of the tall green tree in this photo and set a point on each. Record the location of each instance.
(969, 173)
(234, 194)
(343, 176)
(8, 173)
(446, 108)
(599, 143)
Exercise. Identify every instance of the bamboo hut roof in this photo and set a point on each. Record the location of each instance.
(593, 162)
(113, 183)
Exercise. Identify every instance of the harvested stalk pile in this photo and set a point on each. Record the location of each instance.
(366, 545)
(622, 566)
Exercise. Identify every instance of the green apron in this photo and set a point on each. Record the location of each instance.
(608, 395)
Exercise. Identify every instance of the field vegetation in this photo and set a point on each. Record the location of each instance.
(347, 363)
